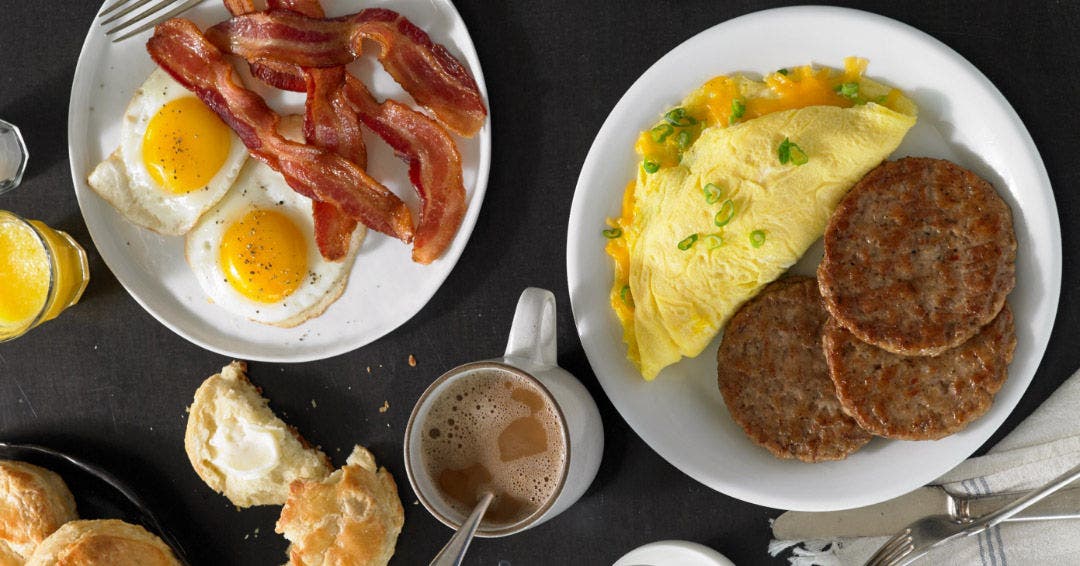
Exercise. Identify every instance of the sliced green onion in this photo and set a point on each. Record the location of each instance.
(782, 71)
(650, 166)
(683, 139)
(757, 238)
(712, 193)
(661, 132)
(727, 211)
(738, 108)
(714, 241)
(848, 90)
(688, 242)
(612, 233)
(679, 117)
(881, 99)
(791, 152)
(625, 295)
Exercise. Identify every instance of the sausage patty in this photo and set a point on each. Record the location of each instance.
(919, 397)
(774, 379)
(918, 256)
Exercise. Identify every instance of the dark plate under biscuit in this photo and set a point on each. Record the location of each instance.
(918, 256)
(919, 397)
(772, 374)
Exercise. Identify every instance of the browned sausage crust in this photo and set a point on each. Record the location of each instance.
(918, 256)
(774, 380)
(919, 397)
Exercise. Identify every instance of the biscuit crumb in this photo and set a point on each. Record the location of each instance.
(412, 360)
(369, 369)
(314, 404)
(385, 407)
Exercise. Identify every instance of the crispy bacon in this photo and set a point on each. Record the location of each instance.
(434, 166)
(178, 47)
(425, 69)
(331, 123)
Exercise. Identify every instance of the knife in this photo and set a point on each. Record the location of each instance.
(888, 517)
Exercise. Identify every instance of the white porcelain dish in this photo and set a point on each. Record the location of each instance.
(962, 117)
(673, 553)
(386, 288)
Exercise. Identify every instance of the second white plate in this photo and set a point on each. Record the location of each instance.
(962, 117)
(386, 288)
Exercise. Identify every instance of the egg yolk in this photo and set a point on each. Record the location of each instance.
(184, 145)
(264, 256)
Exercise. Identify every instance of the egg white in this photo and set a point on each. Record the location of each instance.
(123, 180)
(260, 187)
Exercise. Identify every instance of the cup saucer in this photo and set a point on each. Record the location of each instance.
(672, 552)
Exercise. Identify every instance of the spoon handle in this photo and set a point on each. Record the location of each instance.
(454, 552)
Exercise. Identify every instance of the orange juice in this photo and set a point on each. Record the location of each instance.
(42, 272)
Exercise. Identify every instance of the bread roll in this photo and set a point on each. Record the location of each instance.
(240, 448)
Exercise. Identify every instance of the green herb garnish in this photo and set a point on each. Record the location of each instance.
(783, 71)
(712, 193)
(727, 211)
(714, 241)
(679, 117)
(688, 242)
(738, 108)
(612, 233)
(848, 90)
(757, 238)
(683, 139)
(791, 152)
(625, 295)
(661, 132)
(650, 166)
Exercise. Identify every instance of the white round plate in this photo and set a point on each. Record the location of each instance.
(386, 288)
(961, 117)
(673, 553)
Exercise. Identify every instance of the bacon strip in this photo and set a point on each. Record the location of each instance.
(425, 69)
(434, 166)
(178, 47)
(330, 123)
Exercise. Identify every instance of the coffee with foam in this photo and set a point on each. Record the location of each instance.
(493, 430)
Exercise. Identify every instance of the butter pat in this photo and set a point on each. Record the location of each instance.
(246, 450)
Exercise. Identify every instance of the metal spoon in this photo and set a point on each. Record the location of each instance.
(454, 552)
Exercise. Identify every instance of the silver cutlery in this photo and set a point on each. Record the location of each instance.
(920, 537)
(126, 13)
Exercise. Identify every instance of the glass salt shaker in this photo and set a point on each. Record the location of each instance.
(13, 156)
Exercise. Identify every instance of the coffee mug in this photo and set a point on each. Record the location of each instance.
(530, 356)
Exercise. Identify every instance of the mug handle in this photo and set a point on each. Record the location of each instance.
(532, 334)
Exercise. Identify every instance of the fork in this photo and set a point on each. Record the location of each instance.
(919, 537)
(142, 20)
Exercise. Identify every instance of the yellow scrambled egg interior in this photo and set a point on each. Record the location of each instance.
(719, 104)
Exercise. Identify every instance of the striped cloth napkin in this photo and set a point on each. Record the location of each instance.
(1045, 445)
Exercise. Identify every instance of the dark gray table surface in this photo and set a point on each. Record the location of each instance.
(108, 382)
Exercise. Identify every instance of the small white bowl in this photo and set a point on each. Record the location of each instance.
(672, 553)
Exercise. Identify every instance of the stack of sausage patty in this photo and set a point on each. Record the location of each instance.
(905, 334)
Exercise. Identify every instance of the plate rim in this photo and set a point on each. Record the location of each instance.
(747, 491)
(468, 224)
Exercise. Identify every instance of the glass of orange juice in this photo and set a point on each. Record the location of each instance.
(42, 272)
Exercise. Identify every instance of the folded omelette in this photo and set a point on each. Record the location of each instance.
(719, 211)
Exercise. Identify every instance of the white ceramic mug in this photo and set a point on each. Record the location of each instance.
(531, 355)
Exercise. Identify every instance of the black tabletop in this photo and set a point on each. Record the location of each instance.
(109, 383)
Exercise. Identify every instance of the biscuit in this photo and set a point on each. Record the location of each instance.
(102, 543)
(352, 517)
(240, 448)
(772, 373)
(34, 502)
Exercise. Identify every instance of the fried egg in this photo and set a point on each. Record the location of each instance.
(254, 253)
(176, 159)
